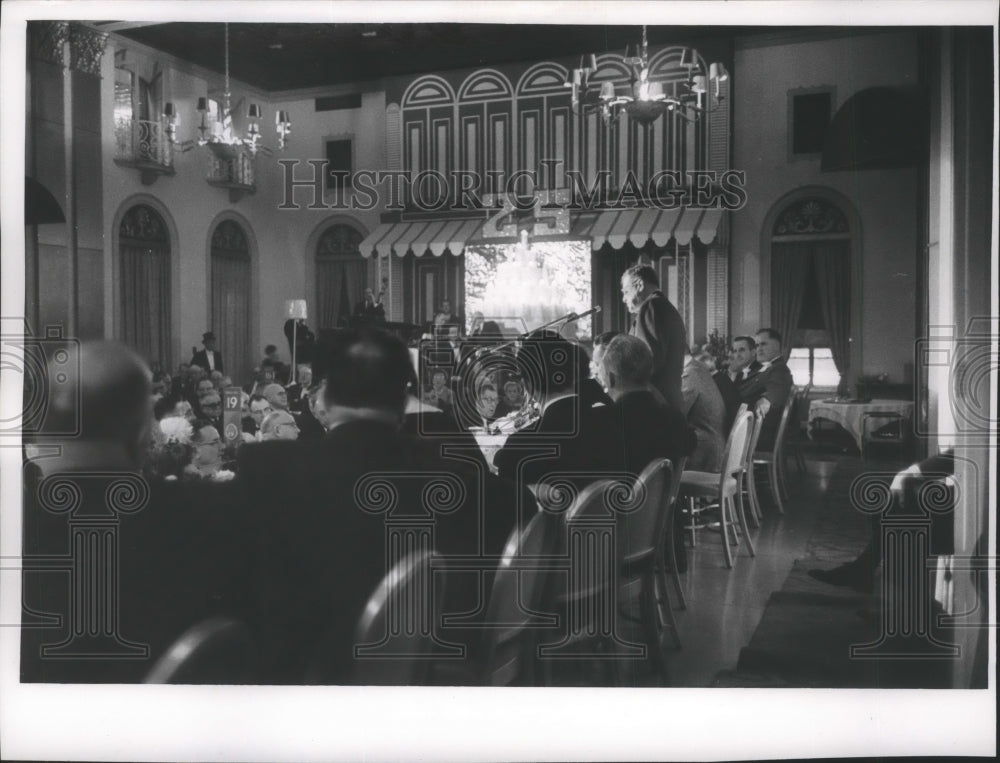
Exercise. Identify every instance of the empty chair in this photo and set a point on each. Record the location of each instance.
(395, 637)
(520, 587)
(218, 650)
(724, 487)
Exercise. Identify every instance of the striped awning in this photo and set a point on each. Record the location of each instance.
(434, 236)
(616, 226)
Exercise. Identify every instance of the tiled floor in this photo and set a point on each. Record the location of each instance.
(725, 605)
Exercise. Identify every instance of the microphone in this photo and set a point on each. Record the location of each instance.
(591, 311)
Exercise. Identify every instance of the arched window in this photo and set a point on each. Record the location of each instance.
(341, 275)
(230, 299)
(811, 289)
(144, 246)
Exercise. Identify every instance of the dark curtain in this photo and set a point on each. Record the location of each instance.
(833, 274)
(340, 284)
(231, 312)
(146, 300)
(789, 270)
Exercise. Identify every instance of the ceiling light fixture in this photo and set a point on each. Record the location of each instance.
(645, 100)
(219, 133)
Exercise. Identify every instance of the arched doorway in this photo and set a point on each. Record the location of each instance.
(341, 274)
(144, 252)
(812, 286)
(231, 285)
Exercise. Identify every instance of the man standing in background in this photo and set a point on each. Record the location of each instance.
(660, 326)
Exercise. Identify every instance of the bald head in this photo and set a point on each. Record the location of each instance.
(115, 394)
(275, 394)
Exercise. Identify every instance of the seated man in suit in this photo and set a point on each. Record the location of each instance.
(769, 388)
(570, 422)
(321, 514)
(743, 361)
(648, 428)
(643, 426)
(172, 557)
(706, 413)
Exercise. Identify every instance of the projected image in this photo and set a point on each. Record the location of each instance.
(525, 285)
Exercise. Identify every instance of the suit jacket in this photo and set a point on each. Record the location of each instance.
(739, 381)
(706, 413)
(577, 431)
(180, 559)
(775, 384)
(200, 358)
(644, 429)
(322, 536)
(661, 327)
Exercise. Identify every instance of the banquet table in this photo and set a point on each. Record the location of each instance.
(850, 413)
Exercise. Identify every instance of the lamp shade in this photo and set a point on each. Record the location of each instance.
(717, 71)
(689, 60)
(203, 104)
(169, 111)
(253, 111)
(607, 91)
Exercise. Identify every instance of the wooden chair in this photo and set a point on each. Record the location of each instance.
(520, 587)
(774, 459)
(218, 650)
(396, 632)
(669, 547)
(635, 563)
(645, 540)
(802, 427)
(724, 486)
(748, 486)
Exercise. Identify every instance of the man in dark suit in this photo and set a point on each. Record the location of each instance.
(571, 425)
(742, 360)
(642, 426)
(769, 388)
(170, 554)
(322, 513)
(660, 326)
(209, 358)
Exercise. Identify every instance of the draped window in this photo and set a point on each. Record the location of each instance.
(341, 275)
(811, 280)
(144, 249)
(230, 298)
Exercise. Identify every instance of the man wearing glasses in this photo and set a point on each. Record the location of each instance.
(279, 425)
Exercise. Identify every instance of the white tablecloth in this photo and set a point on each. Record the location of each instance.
(849, 415)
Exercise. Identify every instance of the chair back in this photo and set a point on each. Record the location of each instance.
(519, 589)
(734, 456)
(396, 631)
(786, 414)
(218, 650)
(640, 531)
(756, 426)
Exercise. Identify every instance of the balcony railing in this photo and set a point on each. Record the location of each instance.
(231, 167)
(144, 145)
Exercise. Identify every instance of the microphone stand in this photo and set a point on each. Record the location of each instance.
(564, 319)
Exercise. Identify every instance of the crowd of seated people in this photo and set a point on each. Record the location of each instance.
(288, 560)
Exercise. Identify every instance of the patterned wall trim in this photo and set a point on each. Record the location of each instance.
(811, 216)
(86, 48)
(46, 39)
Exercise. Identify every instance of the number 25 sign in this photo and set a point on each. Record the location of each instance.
(547, 221)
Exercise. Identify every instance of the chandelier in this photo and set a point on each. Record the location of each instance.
(646, 101)
(219, 133)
